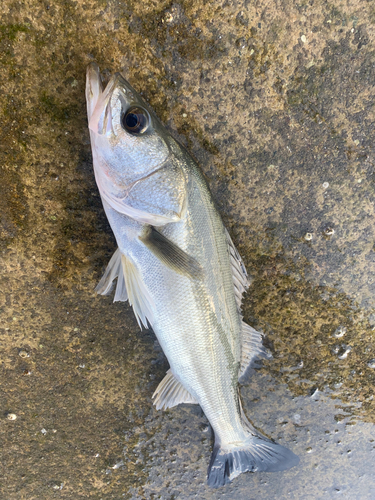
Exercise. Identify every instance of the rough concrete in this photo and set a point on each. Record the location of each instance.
(276, 102)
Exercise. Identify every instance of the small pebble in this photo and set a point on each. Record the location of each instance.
(344, 355)
(303, 39)
(371, 363)
(58, 486)
(168, 17)
(118, 465)
(340, 332)
(314, 392)
(329, 231)
(297, 418)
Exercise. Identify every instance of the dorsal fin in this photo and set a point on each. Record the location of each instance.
(251, 341)
(251, 348)
(170, 392)
(240, 278)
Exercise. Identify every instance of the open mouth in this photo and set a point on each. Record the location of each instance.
(94, 87)
(98, 98)
(100, 88)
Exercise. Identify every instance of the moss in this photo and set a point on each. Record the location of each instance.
(179, 34)
(191, 126)
(10, 31)
(13, 207)
(55, 109)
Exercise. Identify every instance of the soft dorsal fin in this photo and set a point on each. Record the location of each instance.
(170, 392)
(252, 348)
(130, 286)
(251, 341)
(240, 278)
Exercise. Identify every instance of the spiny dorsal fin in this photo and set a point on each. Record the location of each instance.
(130, 286)
(252, 348)
(171, 255)
(170, 392)
(240, 278)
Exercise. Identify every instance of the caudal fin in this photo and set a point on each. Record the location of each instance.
(254, 455)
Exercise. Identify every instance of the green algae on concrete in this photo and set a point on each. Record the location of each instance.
(276, 102)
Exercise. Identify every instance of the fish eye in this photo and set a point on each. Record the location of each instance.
(136, 120)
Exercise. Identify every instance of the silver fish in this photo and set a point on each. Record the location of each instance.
(179, 269)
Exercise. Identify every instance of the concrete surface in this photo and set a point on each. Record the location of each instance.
(275, 99)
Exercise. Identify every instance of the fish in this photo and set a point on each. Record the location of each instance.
(177, 266)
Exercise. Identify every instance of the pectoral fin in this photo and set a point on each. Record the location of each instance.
(171, 255)
(170, 392)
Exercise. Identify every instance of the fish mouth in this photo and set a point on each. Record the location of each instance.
(94, 87)
(99, 98)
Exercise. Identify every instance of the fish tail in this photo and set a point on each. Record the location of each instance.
(254, 454)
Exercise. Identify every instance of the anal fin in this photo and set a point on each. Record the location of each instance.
(170, 392)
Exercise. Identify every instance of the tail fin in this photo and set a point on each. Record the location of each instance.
(255, 454)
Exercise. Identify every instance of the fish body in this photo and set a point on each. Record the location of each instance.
(179, 269)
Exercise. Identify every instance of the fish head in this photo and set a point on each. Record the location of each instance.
(128, 141)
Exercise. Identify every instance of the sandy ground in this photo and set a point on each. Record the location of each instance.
(275, 100)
